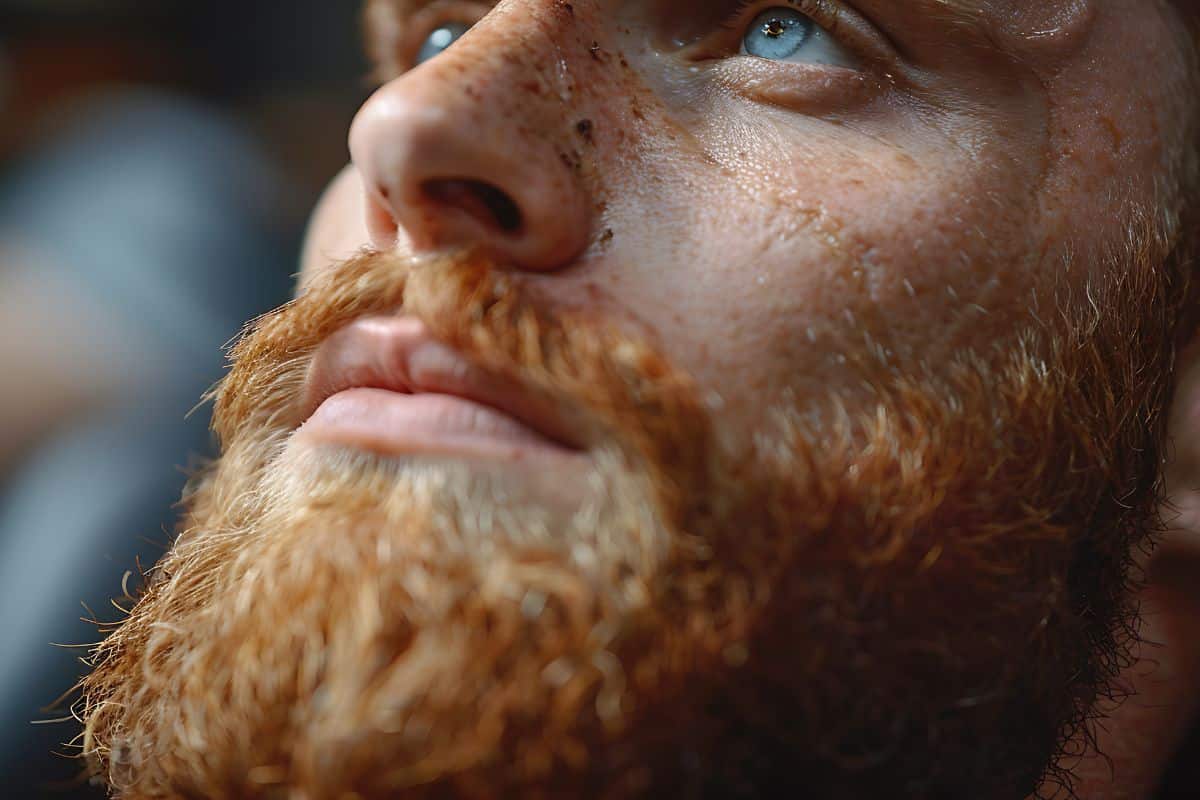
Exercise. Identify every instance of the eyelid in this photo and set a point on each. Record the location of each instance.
(839, 20)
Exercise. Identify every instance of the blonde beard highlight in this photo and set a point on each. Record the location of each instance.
(377, 590)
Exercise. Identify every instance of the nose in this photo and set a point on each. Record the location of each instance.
(470, 149)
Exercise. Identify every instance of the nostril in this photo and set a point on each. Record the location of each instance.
(485, 202)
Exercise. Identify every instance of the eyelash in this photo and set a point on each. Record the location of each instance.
(818, 10)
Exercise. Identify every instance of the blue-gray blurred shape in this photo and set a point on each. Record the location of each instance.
(164, 218)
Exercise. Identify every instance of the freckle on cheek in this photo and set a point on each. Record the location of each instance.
(584, 128)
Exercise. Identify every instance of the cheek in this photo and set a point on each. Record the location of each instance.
(337, 228)
(775, 278)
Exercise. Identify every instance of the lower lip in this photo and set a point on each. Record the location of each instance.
(392, 423)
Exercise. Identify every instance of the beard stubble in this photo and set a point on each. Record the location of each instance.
(922, 596)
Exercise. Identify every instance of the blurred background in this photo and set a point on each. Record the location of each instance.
(158, 159)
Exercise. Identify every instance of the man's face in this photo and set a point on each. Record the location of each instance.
(727, 393)
(764, 217)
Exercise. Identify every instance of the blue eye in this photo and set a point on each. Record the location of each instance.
(778, 34)
(784, 34)
(440, 39)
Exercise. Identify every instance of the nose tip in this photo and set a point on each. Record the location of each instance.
(451, 168)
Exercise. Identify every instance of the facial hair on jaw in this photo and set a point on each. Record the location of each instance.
(850, 598)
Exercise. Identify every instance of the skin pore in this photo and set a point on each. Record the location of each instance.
(873, 403)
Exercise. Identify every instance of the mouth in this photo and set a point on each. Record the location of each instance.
(385, 385)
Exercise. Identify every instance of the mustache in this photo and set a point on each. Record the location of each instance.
(610, 374)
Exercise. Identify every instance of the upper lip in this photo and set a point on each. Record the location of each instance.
(399, 354)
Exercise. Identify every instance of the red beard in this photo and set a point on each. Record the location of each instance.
(924, 593)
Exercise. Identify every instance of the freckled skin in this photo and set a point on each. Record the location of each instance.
(926, 214)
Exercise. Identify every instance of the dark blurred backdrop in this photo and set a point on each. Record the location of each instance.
(158, 159)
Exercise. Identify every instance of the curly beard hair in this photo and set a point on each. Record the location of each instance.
(923, 594)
